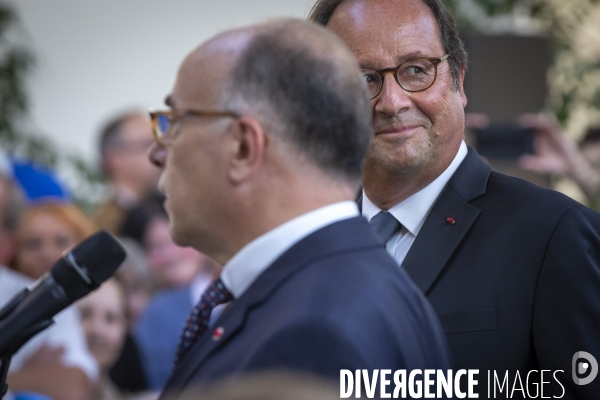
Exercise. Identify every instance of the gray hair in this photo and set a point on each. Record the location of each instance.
(304, 85)
(323, 10)
(110, 136)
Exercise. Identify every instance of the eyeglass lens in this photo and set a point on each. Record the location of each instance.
(413, 75)
(163, 122)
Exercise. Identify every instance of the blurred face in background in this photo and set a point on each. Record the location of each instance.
(128, 161)
(47, 231)
(42, 243)
(137, 296)
(104, 323)
(171, 265)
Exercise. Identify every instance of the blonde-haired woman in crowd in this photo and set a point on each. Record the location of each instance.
(47, 230)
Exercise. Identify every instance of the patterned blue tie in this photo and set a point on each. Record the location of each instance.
(197, 321)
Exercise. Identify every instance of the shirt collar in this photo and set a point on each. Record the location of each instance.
(199, 285)
(413, 211)
(248, 263)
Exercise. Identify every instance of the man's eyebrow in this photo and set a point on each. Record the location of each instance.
(411, 56)
(367, 64)
(169, 101)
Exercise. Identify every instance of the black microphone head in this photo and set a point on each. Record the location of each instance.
(89, 264)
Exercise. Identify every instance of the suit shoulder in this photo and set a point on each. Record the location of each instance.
(357, 268)
(366, 281)
(517, 191)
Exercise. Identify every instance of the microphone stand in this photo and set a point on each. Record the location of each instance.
(20, 340)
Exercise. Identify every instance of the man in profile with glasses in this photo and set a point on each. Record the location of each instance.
(513, 270)
(261, 153)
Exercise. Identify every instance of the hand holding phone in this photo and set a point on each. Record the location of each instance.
(504, 141)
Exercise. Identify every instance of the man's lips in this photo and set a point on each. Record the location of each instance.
(397, 130)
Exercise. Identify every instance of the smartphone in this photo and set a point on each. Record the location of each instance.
(505, 141)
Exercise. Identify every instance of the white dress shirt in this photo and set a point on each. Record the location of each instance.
(248, 263)
(413, 211)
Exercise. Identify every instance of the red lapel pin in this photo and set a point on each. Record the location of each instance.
(218, 333)
(450, 220)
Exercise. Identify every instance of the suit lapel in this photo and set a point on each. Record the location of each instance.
(231, 320)
(334, 238)
(440, 236)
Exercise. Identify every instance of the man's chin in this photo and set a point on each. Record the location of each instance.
(397, 160)
(177, 236)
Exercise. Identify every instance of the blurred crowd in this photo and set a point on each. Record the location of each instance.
(554, 154)
(119, 341)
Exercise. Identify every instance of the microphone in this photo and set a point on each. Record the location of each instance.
(74, 275)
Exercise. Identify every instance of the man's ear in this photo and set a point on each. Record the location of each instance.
(461, 80)
(249, 148)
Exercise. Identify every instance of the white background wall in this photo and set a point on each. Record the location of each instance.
(95, 58)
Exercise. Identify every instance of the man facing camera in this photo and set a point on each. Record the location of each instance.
(261, 154)
(512, 270)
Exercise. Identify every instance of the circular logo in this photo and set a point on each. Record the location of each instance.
(589, 367)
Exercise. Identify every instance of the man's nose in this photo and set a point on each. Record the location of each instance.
(157, 155)
(392, 99)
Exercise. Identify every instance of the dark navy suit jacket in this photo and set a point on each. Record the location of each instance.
(335, 300)
(515, 280)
